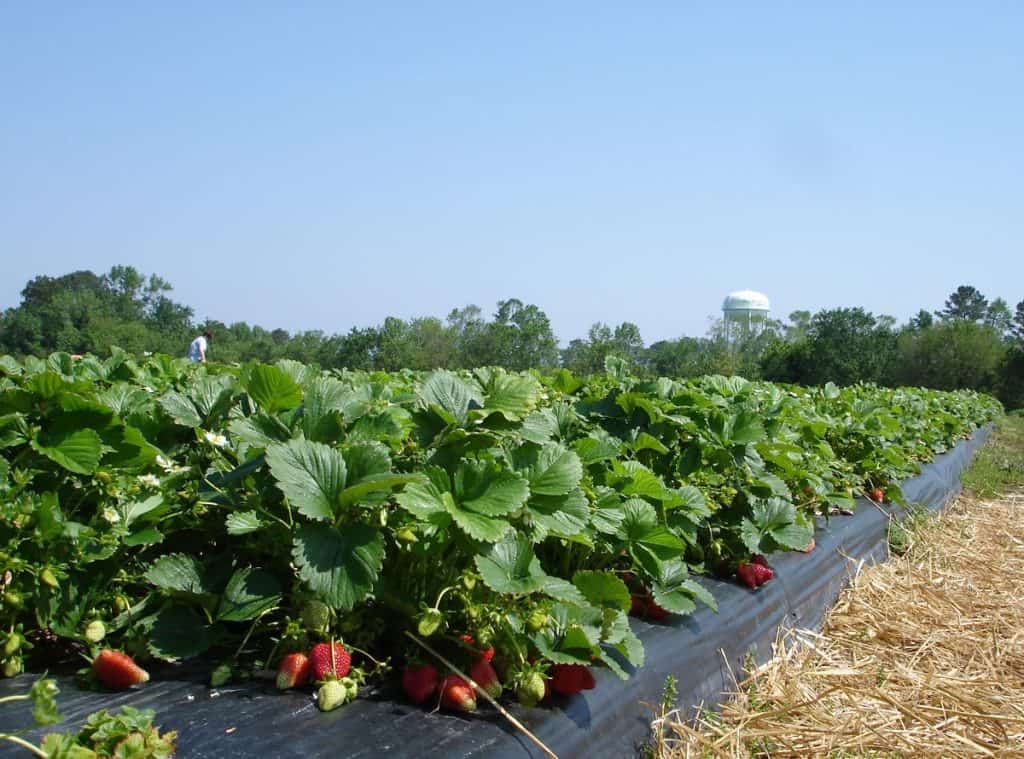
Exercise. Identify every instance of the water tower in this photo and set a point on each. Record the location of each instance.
(744, 313)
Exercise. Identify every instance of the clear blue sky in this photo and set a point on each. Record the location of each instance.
(327, 166)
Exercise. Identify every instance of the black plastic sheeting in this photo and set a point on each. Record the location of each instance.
(702, 651)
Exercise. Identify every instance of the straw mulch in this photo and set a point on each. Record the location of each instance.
(923, 656)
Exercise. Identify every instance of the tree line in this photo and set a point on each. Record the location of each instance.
(971, 342)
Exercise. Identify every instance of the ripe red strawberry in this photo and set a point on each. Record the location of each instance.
(483, 674)
(745, 574)
(568, 679)
(637, 607)
(118, 671)
(420, 681)
(293, 671)
(457, 694)
(762, 574)
(653, 611)
(759, 558)
(877, 495)
(330, 660)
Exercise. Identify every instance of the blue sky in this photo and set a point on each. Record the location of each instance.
(325, 166)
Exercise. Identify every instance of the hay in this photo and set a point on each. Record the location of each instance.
(922, 656)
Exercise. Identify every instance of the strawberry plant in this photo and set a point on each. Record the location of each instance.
(255, 515)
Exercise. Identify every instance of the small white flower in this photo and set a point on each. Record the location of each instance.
(147, 388)
(149, 480)
(147, 353)
(168, 466)
(111, 515)
(214, 439)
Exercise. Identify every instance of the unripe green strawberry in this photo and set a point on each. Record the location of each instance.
(221, 675)
(406, 536)
(12, 667)
(530, 689)
(47, 577)
(13, 599)
(316, 616)
(95, 631)
(429, 622)
(537, 620)
(120, 604)
(12, 645)
(331, 695)
(351, 688)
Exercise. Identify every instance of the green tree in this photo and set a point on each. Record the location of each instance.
(965, 304)
(627, 342)
(999, 317)
(953, 354)
(921, 320)
(357, 350)
(520, 337)
(470, 336)
(799, 323)
(1017, 328)
(842, 345)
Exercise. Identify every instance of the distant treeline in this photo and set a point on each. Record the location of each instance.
(971, 342)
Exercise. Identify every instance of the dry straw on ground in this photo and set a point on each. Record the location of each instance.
(922, 657)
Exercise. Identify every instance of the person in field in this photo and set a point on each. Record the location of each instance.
(197, 350)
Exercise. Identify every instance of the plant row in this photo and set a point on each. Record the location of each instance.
(246, 515)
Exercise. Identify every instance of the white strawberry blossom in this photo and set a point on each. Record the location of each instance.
(216, 439)
(149, 480)
(111, 515)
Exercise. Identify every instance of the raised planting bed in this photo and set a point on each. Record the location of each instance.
(700, 650)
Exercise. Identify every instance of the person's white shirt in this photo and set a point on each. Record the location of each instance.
(197, 350)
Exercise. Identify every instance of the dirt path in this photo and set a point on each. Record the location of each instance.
(923, 656)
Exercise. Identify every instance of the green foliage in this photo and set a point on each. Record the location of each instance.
(196, 509)
(843, 345)
(964, 304)
(949, 355)
(128, 733)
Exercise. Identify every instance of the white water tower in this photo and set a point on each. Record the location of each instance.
(744, 313)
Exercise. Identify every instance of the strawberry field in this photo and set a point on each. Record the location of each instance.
(327, 524)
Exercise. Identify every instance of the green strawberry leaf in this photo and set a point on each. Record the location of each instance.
(340, 566)
(557, 471)
(510, 566)
(602, 589)
(312, 475)
(273, 389)
(76, 450)
(249, 593)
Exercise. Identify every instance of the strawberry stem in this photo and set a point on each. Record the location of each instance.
(23, 743)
